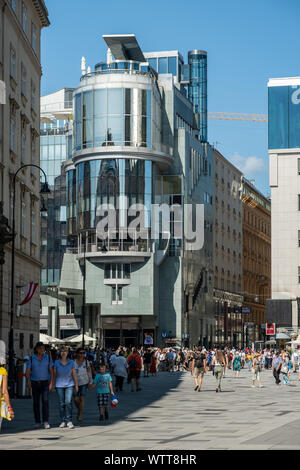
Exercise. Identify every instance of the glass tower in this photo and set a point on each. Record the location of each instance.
(197, 89)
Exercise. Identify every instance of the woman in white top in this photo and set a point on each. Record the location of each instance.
(84, 376)
(218, 362)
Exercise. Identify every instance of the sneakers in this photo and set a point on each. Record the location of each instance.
(63, 425)
(70, 425)
(46, 425)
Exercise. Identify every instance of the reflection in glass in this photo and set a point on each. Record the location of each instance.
(162, 65)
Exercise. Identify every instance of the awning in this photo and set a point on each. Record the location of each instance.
(282, 336)
(46, 339)
(78, 339)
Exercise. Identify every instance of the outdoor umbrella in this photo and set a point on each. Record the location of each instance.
(78, 339)
(46, 339)
(282, 336)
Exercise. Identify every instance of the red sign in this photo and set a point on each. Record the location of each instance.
(270, 329)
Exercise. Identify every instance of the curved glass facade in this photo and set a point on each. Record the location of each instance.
(105, 182)
(113, 117)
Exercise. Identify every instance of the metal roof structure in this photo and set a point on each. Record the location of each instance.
(124, 47)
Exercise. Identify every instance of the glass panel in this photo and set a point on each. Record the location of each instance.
(162, 65)
(153, 63)
(172, 65)
(100, 127)
(87, 105)
(120, 294)
(113, 271)
(78, 134)
(78, 115)
(126, 271)
(114, 100)
(100, 102)
(127, 100)
(114, 129)
(120, 271)
(294, 117)
(87, 133)
(107, 271)
(278, 117)
(113, 294)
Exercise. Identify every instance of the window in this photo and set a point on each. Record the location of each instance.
(23, 146)
(33, 151)
(23, 80)
(32, 225)
(13, 5)
(23, 219)
(33, 93)
(162, 65)
(117, 271)
(12, 134)
(21, 341)
(117, 295)
(299, 238)
(33, 37)
(172, 65)
(24, 17)
(153, 63)
(31, 341)
(298, 202)
(299, 274)
(13, 63)
(70, 306)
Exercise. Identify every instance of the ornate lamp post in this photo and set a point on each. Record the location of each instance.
(44, 190)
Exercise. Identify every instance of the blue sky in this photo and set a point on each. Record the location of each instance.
(247, 42)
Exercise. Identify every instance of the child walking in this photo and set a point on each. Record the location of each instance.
(103, 381)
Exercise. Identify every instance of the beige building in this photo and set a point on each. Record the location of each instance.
(21, 23)
(227, 252)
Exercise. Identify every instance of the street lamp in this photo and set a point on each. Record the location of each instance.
(44, 190)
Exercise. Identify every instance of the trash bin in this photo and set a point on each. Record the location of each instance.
(22, 390)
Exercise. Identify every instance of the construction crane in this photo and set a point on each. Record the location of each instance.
(238, 116)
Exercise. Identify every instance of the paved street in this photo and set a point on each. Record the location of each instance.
(168, 414)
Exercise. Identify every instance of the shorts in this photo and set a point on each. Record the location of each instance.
(81, 391)
(134, 374)
(103, 399)
(255, 374)
(198, 372)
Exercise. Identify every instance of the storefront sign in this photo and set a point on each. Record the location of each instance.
(270, 329)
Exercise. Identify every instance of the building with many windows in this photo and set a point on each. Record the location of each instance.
(57, 315)
(136, 140)
(20, 69)
(228, 248)
(284, 157)
(256, 260)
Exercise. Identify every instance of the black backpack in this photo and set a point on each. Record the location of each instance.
(199, 362)
(133, 364)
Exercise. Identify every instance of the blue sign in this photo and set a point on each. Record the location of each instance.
(165, 334)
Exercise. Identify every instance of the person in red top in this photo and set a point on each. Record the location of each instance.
(134, 365)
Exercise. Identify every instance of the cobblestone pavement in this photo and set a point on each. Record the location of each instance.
(169, 414)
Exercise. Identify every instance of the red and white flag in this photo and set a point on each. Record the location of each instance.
(31, 288)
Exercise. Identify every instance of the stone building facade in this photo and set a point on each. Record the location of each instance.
(21, 23)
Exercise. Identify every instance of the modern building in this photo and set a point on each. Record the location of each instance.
(57, 315)
(284, 156)
(256, 260)
(228, 249)
(20, 71)
(137, 140)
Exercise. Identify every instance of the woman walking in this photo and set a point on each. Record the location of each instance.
(65, 379)
(218, 362)
(256, 368)
(84, 375)
(153, 367)
(285, 368)
(6, 410)
(236, 364)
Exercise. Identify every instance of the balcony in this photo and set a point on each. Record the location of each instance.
(117, 245)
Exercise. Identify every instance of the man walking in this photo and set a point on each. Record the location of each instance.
(276, 366)
(39, 375)
(198, 368)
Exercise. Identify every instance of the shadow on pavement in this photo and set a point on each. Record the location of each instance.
(153, 388)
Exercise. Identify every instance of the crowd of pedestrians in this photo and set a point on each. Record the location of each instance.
(73, 373)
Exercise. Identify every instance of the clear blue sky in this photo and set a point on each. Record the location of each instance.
(248, 41)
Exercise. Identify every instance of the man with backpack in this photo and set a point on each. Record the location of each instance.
(134, 362)
(198, 368)
(39, 375)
